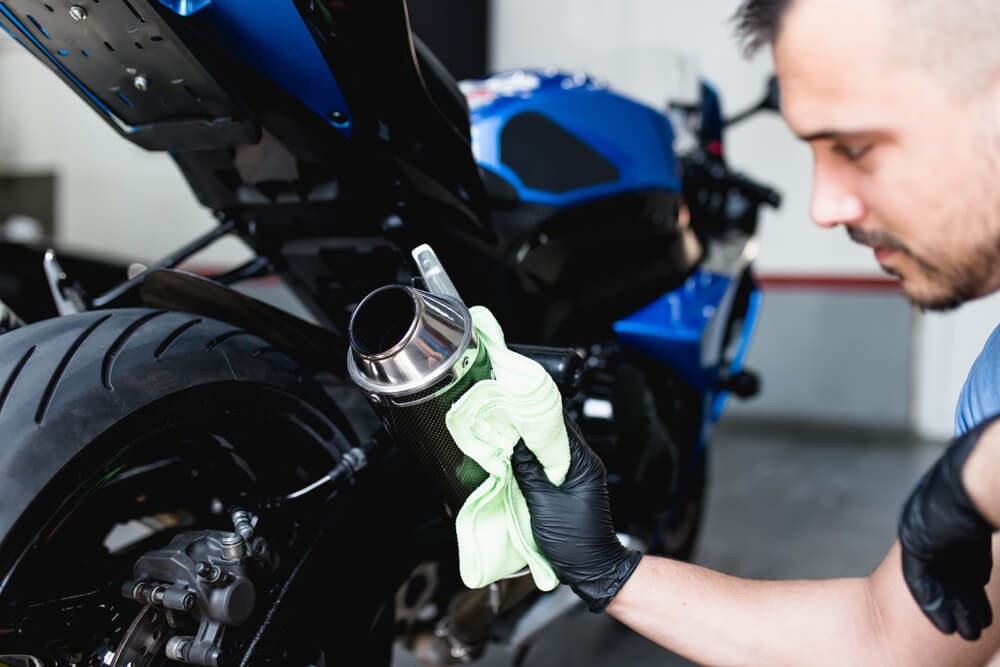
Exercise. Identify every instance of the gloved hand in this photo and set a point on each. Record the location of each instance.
(572, 522)
(947, 555)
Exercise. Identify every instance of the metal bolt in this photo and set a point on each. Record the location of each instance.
(176, 648)
(242, 522)
(203, 569)
(141, 83)
(78, 13)
(338, 117)
(232, 547)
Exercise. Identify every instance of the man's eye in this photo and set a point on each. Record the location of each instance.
(852, 152)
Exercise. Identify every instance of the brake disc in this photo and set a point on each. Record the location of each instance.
(143, 641)
(20, 660)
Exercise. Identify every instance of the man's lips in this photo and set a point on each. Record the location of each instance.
(883, 252)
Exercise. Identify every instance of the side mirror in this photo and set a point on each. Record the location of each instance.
(772, 99)
(771, 102)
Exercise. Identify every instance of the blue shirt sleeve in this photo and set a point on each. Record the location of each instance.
(980, 397)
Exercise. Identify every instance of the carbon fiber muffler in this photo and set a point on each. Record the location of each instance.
(414, 354)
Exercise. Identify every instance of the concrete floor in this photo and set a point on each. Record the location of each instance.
(783, 503)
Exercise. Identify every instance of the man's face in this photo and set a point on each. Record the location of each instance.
(908, 166)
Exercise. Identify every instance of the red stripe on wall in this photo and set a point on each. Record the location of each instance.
(828, 282)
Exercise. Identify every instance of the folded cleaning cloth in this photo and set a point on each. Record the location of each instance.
(522, 403)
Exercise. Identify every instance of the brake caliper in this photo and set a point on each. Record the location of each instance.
(199, 576)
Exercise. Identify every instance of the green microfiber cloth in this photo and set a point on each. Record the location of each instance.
(522, 403)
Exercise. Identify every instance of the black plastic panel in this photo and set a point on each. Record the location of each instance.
(134, 68)
(547, 157)
(497, 187)
(567, 275)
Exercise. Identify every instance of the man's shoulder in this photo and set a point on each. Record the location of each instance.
(980, 396)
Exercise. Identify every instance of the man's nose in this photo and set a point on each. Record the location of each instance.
(833, 202)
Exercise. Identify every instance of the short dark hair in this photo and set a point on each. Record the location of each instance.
(757, 23)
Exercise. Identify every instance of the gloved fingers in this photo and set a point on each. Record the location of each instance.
(984, 610)
(585, 465)
(966, 623)
(979, 606)
(527, 470)
(928, 593)
(940, 614)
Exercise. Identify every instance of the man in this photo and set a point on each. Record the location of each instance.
(900, 102)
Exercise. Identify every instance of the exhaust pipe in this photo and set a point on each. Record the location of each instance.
(414, 354)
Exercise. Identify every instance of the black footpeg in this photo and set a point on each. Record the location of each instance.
(744, 384)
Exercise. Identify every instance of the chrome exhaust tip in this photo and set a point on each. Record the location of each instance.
(405, 341)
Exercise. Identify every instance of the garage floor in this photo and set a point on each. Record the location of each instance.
(783, 503)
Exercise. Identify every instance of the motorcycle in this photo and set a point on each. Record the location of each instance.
(165, 440)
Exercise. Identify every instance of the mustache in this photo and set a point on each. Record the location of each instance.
(875, 238)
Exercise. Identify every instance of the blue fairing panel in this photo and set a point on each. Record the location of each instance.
(636, 140)
(736, 365)
(670, 329)
(271, 36)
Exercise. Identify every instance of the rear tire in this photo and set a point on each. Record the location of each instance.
(111, 417)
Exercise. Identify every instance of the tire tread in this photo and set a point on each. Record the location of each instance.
(50, 388)
(12, 378)
(174, 335)
(107, 365)
(221, 338)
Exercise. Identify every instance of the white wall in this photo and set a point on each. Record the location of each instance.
(111, 196)
(831, 357)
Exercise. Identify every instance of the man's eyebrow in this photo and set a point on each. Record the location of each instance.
(832, 134)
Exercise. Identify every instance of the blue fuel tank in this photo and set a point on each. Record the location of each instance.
(562, 139)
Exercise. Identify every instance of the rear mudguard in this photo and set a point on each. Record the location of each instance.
(177, 290)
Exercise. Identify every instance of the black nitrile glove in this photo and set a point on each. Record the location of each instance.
(947, 555)
(572, 523)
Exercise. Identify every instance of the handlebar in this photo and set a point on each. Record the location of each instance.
(754, 190)
(720, 177)
(720, 199)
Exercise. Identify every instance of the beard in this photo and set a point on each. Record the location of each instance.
(969, 266)
(949, 279)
